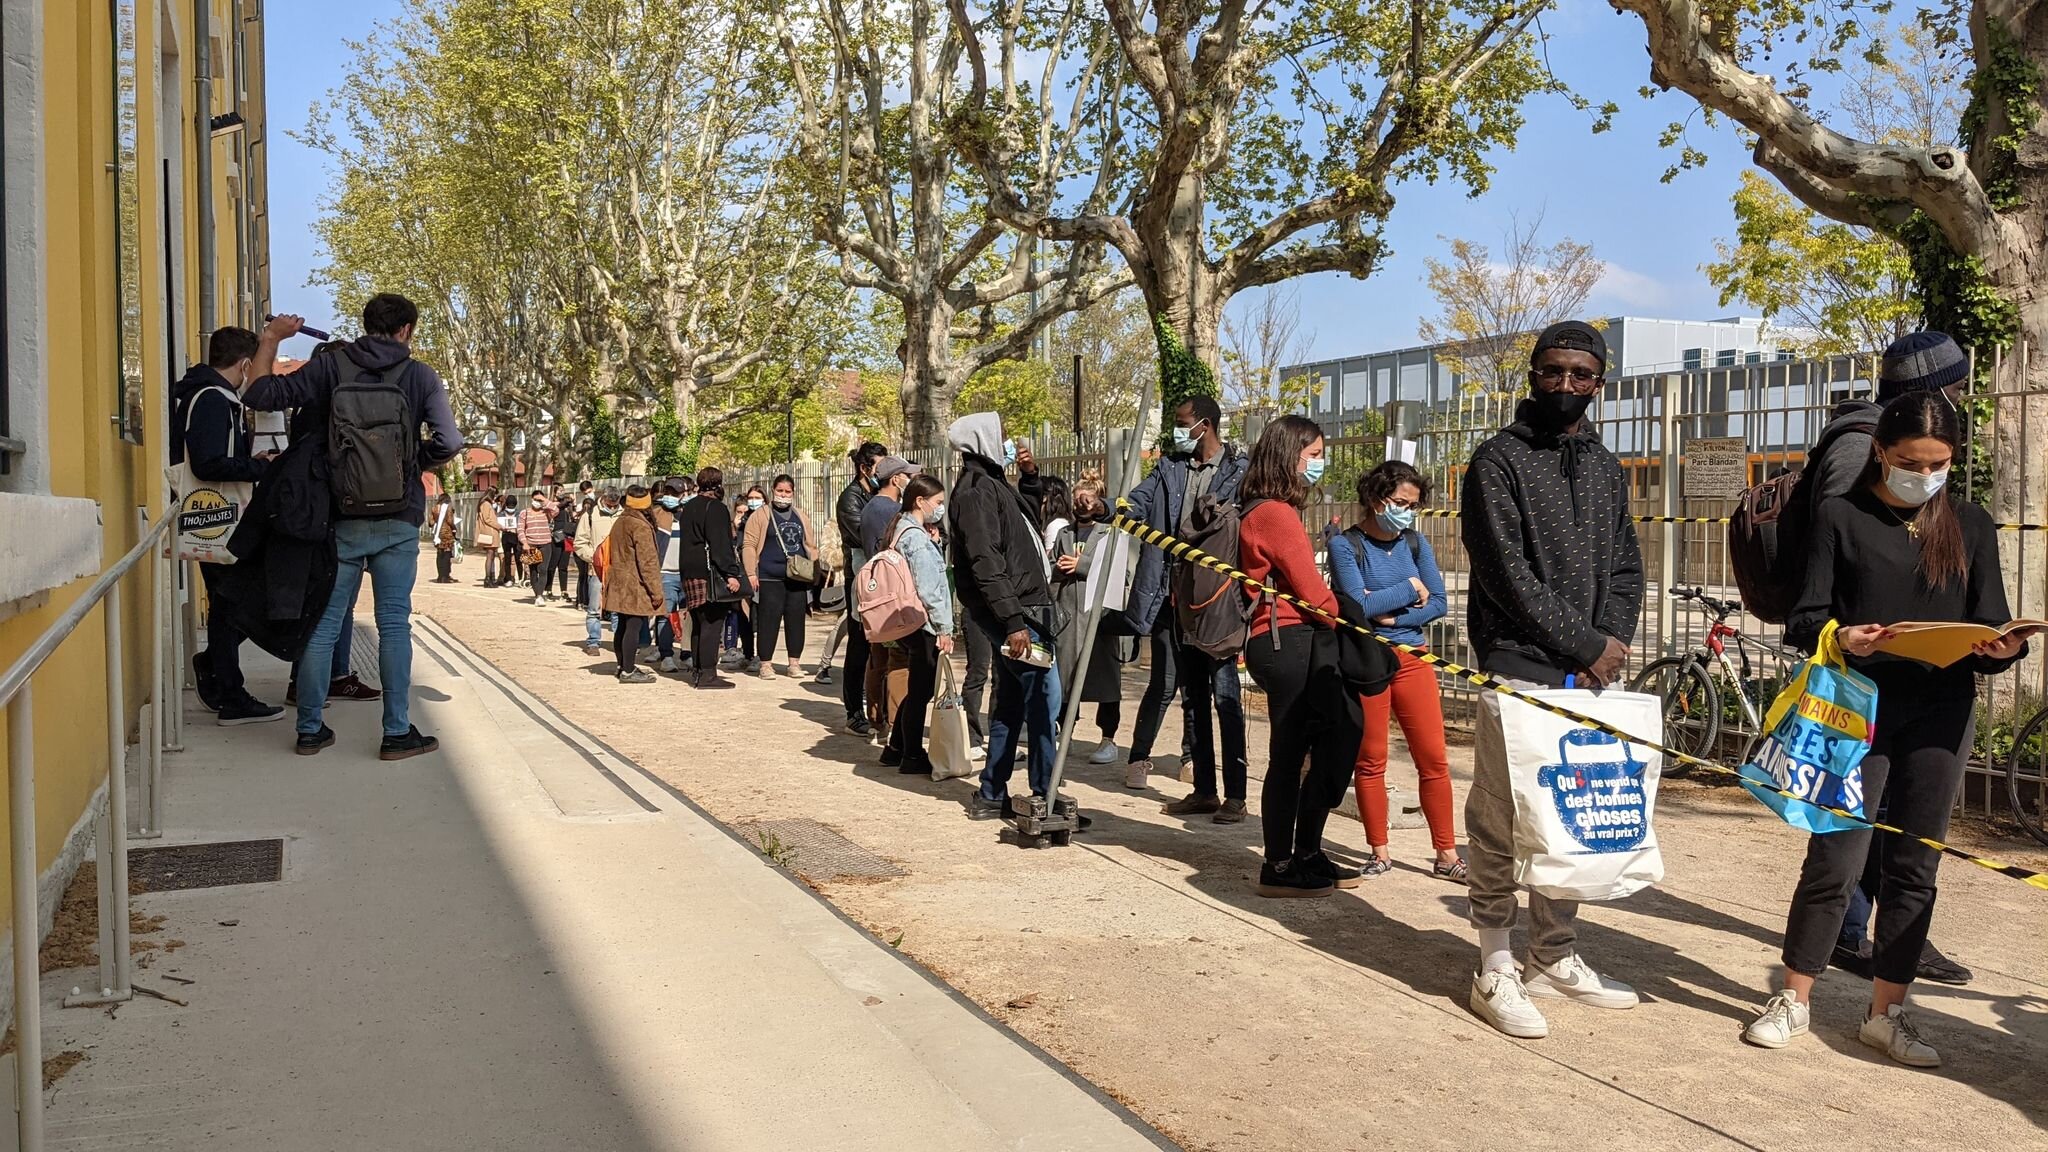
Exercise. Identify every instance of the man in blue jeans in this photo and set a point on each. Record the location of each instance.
(1001, 572)
(385, 546)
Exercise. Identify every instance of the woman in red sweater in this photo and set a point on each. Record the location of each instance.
(1292, 656)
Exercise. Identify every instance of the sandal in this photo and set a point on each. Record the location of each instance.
(1376, 866)
(1456, 871)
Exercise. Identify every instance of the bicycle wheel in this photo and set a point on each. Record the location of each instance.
(1692, 707)
(2026, 776)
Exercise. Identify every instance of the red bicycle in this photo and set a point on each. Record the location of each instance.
(1707, 689)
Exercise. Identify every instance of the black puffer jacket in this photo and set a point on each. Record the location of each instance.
(1555, 565)
(999, 561)
(853, 499)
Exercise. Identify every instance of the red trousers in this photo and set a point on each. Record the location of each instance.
(1415, 700)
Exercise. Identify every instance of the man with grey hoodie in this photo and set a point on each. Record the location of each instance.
(1001, 570)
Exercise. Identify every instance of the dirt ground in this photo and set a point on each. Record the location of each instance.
(1143, 959)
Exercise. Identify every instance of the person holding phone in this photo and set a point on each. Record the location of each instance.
(1901, 546)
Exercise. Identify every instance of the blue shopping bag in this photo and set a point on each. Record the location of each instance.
(1817, 733)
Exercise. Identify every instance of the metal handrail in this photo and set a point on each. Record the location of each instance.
(18, 698)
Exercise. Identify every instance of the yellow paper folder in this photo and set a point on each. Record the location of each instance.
(1942, 644)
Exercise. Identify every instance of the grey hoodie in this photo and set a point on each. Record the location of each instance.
(980, 434)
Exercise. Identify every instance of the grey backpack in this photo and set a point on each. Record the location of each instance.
(373, 439)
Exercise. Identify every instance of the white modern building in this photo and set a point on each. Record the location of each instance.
(1349, 387)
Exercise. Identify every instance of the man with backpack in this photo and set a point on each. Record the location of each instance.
(1557, 588)
(1201, 465)
(372, 398)
(1002, 574)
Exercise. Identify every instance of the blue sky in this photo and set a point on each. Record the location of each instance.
(1602, 190)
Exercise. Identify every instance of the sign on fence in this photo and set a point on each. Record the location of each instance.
(1716, 467)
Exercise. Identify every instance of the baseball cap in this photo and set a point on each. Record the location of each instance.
(892, 467)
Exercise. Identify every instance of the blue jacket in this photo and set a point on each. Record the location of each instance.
(1157, 501)
(927, 571)
(1378, 580)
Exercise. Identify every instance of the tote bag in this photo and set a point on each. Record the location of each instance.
(208, 510)
(1583, 799)
(946, 738)
(1817, 733)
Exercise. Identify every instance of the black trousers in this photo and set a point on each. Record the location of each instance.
(223, 655)
(981, 653)
(626, 640)
(1210, 685)
(558, 568)
(538, 573)
(1912, 771)
(1314, 726)
(907, 735)
(853, 689)
(709, 621)
(509, 550)
(444, 564)
(781, 606)
(582, 579)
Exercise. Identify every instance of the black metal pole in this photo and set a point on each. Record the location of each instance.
(1077, 397)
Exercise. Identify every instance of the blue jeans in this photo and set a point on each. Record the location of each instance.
(593, 612)
(390, 551)
(672, 595)
(1027, 697)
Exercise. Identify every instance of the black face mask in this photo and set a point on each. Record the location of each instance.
(1553, 412)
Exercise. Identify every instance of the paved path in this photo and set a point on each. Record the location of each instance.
(524, 942)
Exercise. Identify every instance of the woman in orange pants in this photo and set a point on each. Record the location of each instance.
(1386, 565)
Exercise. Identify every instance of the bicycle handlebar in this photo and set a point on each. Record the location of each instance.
(1722, 608)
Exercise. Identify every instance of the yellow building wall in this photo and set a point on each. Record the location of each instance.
(88, 458)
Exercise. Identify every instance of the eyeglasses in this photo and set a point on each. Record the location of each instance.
(1577, 379)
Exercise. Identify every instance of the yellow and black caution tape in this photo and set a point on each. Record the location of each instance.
(1182, 550)
(1453, 512)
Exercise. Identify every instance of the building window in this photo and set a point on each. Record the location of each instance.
(1725, 358)
(1695, 358)
(127, 227)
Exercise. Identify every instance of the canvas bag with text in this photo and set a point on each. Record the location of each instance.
(207, 510)
(1584, 800)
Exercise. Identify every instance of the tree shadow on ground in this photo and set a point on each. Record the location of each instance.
(1978, 1057)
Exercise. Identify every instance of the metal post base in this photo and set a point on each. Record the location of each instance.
(1035, 825)
(98, 1000)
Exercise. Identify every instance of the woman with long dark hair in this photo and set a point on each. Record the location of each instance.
(924, 507)
(1291, 654)
(711, 573)
(1901, 546)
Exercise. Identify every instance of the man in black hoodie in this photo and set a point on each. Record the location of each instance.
(1002, 574)
(1557, 586)
(210, 430)
(385, 546)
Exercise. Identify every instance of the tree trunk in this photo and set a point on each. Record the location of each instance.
(505, 458)
(929, 386)
(2019, 381)
(1182, 293)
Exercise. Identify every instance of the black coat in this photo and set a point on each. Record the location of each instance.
(998, 557)
(285, 563)
(706, 538)
(217, 446)
(853, 499)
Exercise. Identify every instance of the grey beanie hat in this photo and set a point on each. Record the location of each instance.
(1920, 362)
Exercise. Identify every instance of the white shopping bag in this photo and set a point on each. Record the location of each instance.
(1583, 799)
(207, 510)
(946, 738)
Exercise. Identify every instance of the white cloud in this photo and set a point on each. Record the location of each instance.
(1632, 293)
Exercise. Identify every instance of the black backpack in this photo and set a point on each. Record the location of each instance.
(1767, 533)
(373, 439)
(1215, 613)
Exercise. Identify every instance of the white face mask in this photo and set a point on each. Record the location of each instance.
(1914, 488)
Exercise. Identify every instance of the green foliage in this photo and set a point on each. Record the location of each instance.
(454, 477)
(670, 457)
(1020, 391)
(763, 437)
(1850, 287)
(1360, 449)
(1182, 374)
(606, 448)
(2010, 82)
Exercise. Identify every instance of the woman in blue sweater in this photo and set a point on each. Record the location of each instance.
(1386, 565)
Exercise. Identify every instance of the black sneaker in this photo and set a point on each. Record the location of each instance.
(413, 743)
(891, 758)
(1342, 875)
(312, 745)
(204, 683)
(1288, 879)
(982, 808)
(859, 726)
(247, 710)
(922, 766)
(1850, 960)
(1940, 969)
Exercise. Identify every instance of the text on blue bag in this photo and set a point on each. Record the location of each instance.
(1598, 789)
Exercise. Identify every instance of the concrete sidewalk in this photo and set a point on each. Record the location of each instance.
(523, 942)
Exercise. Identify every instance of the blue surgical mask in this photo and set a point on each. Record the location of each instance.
(937, 513)
(1313, 470)
(753, 504)
(1009, 453)
(1914, 488)
(671, 502)
(1185, 439)
(1397, 519)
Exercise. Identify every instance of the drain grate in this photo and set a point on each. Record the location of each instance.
(362, 655)
(175, 867)
(816, 852)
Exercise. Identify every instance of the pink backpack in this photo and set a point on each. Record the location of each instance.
(886, 597)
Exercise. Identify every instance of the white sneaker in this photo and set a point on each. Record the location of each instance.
(669, 664)
(767, 671)
(1499, 999)
(1894, 1035)
(540, 602)
(1573, 979)
(1105, 754)
(1137, 774)
(1782, 1020)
